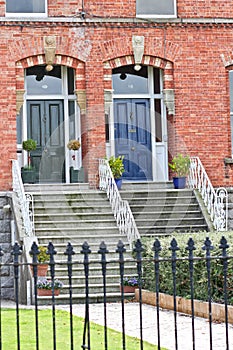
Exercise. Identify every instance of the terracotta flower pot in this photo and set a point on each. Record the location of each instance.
(47, 292)
(129, 289)
(41, 270)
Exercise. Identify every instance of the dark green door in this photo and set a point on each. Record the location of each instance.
(45, 124)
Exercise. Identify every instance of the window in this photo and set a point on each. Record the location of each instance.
(26, 8)
(156, 8)
(41, 82)
(126, 80)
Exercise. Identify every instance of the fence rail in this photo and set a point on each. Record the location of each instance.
(172, 259)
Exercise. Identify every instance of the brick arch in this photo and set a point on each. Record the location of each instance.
(157, 53)
(154, 47)
(40, 59)
(147, 60)
(32, 46)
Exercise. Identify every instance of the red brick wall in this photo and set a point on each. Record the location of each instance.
(198, 55)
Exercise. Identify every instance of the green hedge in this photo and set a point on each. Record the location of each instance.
(182, 268)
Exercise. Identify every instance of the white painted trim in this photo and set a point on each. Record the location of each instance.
(151, 96)
(65, 98)
(111, 131)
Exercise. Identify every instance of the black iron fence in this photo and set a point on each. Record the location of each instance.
(172, 260)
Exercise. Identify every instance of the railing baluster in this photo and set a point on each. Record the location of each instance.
(103, 251)
(70, 252)
(34, 253)
(51, 252)
(191, 247)
(216, 201)
(138, 250)
(208, 247)
(86, 331)
(174, 248)
(16, 252)
(23, 200)
(120, 208)
(224, 246)
(157, 248)
(121, 250)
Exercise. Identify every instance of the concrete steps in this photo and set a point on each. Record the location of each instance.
(75, 214)
(162, 211)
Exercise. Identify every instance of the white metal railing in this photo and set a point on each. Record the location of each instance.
(24, 200)
(216, 201)
(121, 209)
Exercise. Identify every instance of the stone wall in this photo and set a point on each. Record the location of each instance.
(7, 281)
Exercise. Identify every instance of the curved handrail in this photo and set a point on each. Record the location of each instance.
(24, 200)
(121, 209)
(216, 201)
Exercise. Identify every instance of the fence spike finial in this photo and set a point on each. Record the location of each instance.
(103, 248)
(16, 251)
(191, 245)
(34, 252)
(69, 250)
(85, 248)
(138, 248)
(208, 246)
(156, 247)
(120, 247)
(51, 250)
(174, 246)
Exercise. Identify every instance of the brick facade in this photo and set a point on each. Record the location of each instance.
(195, 54)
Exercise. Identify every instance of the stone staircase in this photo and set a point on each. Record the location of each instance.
(159, 209)
(74, 213)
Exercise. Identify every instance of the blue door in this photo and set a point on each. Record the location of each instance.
(133, 137)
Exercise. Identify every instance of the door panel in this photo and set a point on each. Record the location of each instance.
(133, 137)
(45, 125)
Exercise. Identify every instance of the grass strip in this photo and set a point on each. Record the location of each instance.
(28, 334)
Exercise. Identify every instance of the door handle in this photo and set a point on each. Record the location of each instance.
(132, 148)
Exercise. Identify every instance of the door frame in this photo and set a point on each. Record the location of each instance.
(66, 99)
(159, 149)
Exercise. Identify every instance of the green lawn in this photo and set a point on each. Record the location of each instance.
(27, 332)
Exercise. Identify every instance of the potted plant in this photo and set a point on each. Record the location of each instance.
(45, 286)
(117, 167)
(28, 172)
(180, 165)
(75, 174)
(130, 283)
(43, 259)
